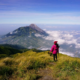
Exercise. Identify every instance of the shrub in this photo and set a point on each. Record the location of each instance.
(3, 55)
(35, 64)
(5, 70)
(68, 67)
(35, 50)
(9, 62)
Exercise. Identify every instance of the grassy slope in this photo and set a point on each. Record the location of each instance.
(39, 66)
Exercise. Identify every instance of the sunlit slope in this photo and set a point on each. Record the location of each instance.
(36, 65)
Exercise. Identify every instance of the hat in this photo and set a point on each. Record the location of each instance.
(55, 42)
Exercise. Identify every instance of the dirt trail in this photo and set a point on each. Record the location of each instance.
(46, 74)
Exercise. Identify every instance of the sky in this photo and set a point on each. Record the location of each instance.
(40, 11)
(65, 12)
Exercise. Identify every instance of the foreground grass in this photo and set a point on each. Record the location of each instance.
(27, 66)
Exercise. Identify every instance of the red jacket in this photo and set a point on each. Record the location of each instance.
(54, 49)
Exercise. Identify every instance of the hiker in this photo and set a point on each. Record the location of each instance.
(55, 50)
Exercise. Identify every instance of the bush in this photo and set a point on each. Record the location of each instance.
(3, 55)
(35, 50)
(35, 64)
(5, 70)
(9, 62)
(69, 68)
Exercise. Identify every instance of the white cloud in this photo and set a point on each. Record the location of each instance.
(42, 48)
(35, 17)
(60, 41)
(30, 47)
(38, 35)
(67, 53)
(77, 45)
(11, 32)
(71, 41)
(70, 45)
(44, 29)
(67, 36)
(63, 37)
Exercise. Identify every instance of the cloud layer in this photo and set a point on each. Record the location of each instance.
(64, 37)
(67, 40)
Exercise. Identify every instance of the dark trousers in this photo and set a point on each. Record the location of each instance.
(54, 56)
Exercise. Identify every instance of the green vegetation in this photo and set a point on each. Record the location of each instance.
(8, 51)
(12, 46)
(34, 64)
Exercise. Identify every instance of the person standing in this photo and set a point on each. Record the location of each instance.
(55, 50)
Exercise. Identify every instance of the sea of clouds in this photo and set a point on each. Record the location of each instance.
(65, 37)
(69, 38)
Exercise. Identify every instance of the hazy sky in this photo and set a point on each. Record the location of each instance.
(15, 13)
(40, 11)
(6, 28)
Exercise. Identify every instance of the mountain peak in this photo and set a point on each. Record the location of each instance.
(33, 25)
(26, 31)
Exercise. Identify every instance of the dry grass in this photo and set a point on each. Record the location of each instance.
(27, 65)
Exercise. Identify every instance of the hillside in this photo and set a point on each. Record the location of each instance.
(8, 50)
(12, 46)
(39, 65)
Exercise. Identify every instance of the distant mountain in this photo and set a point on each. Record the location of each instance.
(27, 31)
(29, 37)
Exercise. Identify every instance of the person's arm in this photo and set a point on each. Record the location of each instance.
(52, 48)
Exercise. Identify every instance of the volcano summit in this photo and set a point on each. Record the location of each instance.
(28, 36)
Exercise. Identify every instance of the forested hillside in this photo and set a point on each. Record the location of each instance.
(8, 51)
